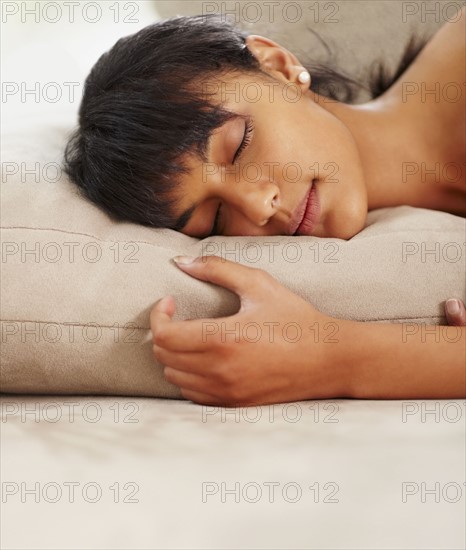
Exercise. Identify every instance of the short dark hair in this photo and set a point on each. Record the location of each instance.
(143, 111)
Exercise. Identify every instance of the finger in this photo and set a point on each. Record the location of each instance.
(192, 335)
(161, 314)
(186, 380)
(202, 364)
(186, 361)
(200, 398)
(176, 335)
(166, 332)
(455, 312)
(232, 275)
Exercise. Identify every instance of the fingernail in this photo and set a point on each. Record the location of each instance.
(453, 307)
(183, 260)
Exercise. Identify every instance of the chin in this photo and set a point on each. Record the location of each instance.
(344, 208)
(347, 222)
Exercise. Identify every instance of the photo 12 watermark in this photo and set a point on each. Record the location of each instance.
(270, 492)
(437, 412)
(438, 173)
(423, 332)
(31, 172)
(425, 492)
(276, 11)
(253, 172)
(53, 412)
(73, 252)
(317, 412)
(253, 332)
(433, 252)
(69, 492)
(41, 92)
(433, 92)
(426, 12)
(70, 12)
(271, 252)
(70, 332)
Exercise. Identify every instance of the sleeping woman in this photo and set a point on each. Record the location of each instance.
(170, 119)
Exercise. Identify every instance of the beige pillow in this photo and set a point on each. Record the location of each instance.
(77, 288)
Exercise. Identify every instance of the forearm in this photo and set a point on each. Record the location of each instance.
(402, 361)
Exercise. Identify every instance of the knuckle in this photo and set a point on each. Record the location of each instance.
(234, 395)
(225, 349)
(212, 263)
(221, 343)
(215, 342)
(168, 373)
(158, 353)
(226, 375)
(159, 337)
(261, 277)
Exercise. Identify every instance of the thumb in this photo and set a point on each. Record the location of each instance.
(455, 312)
(232, 275)
(162, 312)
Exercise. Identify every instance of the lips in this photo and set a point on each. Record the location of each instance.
(311, 214)
(307, 213)
(299, 213)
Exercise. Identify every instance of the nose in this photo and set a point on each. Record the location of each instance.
(256, 200)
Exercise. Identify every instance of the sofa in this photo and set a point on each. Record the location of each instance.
(98, 449)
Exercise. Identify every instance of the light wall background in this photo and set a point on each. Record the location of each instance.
(37, 49)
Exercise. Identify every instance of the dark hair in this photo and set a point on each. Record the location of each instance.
(143, 111)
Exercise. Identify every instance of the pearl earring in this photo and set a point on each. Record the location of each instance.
(304, 77)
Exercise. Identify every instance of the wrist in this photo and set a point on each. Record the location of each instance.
(340, 354)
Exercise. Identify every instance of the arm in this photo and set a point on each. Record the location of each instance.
(279, 348)
(403, 361)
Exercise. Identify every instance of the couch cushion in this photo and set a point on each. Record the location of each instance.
(77, 287)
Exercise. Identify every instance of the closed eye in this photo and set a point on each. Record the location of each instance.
(246, 139)
(249, 129)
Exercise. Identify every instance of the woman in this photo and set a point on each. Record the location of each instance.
(171, 119)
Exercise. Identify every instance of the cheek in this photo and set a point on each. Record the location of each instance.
(238, 225)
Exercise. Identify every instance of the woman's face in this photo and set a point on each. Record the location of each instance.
(292, 144)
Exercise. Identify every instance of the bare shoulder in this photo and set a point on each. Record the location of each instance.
(428, 100)
(438, 74)
(443, 59)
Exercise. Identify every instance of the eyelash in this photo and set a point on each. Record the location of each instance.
(246, 141)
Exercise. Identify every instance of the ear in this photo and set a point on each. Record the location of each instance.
(275, 59)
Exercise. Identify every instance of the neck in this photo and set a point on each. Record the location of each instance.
(375, 127)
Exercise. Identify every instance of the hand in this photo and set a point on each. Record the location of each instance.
(265, 353)
(456, 318)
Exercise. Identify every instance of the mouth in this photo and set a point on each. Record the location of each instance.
(307, 214)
